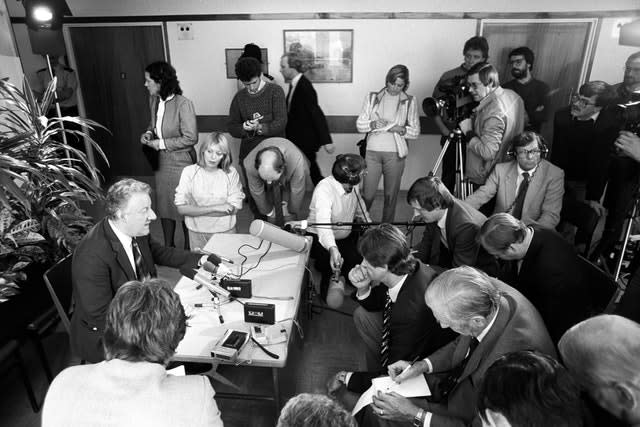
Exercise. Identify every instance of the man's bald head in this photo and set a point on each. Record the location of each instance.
(270, 164)
(603, 353)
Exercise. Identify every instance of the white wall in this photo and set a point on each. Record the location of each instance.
(427, 46)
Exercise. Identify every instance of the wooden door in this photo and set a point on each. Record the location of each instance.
(110, 64)
(562, 51)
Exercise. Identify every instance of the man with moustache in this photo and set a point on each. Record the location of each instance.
(534, 93)
(116, 250)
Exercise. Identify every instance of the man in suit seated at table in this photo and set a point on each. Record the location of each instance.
(277, 171)
(527, 388)
(449, 239)
(528, 187)
(116, 250)
(144, 324)
(392, 319)
(492, 319)
(602, 354)
(546, 269)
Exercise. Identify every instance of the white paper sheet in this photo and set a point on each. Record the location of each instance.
(413, 387)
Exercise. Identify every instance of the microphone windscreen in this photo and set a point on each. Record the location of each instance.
(214, 259)
(271, 233)
(210, 267)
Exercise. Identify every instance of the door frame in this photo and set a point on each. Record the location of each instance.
(73, 63)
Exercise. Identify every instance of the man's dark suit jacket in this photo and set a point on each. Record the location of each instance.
(462, 225)
(518, 326)
(100, 266)
(551, 278)
(306, 124)
(414, 330)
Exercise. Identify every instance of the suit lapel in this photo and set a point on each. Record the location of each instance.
(121, 255)
(489, 342)
(510, 188)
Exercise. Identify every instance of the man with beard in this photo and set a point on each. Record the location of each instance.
(534, 93)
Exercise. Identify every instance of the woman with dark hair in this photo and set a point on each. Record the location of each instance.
(389, 117)
(210, 193)
(171, 135)
(144, 324)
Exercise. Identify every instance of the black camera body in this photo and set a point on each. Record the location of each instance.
(629, 115)
(455, 105)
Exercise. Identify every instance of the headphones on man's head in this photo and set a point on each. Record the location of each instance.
(528, 137)
(347, 169)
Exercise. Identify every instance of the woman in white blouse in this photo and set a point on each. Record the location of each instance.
(209, 193)
(390, 117)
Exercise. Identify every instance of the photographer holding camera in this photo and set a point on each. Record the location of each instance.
(498, 118)
(475, 50)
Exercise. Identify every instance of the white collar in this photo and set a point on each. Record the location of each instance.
(337, 186)
(486, 330)
(296, 79)
(530, 171)
(393, 292)
(124, 238)
(442, 222)
(169, 98)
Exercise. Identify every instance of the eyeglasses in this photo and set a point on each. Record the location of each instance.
(580, 101)
(526, 153)
(634, 70)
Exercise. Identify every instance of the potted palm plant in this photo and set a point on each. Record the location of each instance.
(43, 183)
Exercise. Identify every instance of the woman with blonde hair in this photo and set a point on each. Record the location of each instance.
(209, 193)
(389, 117)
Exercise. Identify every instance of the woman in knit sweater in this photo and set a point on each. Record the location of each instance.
(390, 117)
(172, 133)
(209, 193)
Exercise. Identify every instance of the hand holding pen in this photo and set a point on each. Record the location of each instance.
(403, 370)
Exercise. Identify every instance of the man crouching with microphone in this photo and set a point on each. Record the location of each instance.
(336, 200)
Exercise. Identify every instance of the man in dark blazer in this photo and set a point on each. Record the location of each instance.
(548, 270)
(306, 124)
(413, 331)
(116, 250)
(449, 239)
(493, 319)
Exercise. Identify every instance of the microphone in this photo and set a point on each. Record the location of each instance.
(202, 279)
(271, 233)
(215, 269)
(217, 259)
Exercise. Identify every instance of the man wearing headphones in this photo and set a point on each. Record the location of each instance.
(336, 199)
(528, 187)
(277, 172)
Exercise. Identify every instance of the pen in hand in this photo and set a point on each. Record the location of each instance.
(409, 366)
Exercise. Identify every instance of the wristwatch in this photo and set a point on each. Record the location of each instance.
(418, 420)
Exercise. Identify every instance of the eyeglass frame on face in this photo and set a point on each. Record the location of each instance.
(524, 152)
(581, 101)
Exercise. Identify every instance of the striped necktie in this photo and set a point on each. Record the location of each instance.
(386, 331)
(141, 271)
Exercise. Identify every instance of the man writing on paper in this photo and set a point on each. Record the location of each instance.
(392, 319)
(492, 319)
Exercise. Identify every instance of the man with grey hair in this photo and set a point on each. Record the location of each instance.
(117, 249)
(145, 323)
(492, 319)
(603, 353)
(314, 410)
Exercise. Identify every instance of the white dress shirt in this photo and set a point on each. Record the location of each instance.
(521, 178)
(442, 225)
(159, 118)
(330, 203)
(126, 243)
(294, 82)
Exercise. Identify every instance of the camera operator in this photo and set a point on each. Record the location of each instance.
(631, 80)
(498, 118)
(475, 50)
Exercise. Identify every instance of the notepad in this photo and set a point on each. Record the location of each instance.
(413, 387)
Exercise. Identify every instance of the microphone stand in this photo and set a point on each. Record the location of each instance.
(365, 224)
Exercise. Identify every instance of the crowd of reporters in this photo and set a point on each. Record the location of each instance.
(478, 306)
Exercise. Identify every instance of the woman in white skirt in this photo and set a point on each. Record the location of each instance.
(209, 193)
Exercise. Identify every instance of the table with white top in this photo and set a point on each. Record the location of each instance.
(279, 272)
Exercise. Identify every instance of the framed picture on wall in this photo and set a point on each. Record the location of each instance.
(329, 52)
(233, 54)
